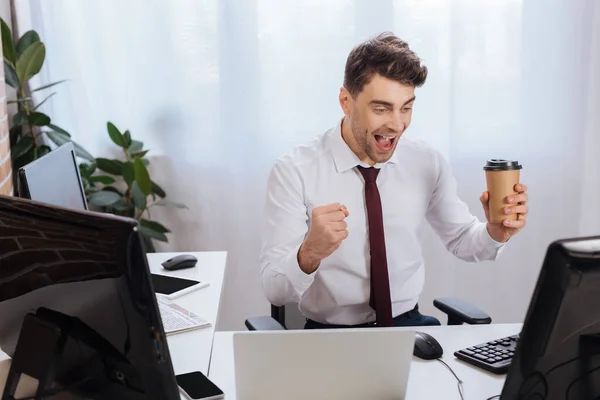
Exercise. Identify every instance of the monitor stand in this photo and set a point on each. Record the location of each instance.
(39, 349)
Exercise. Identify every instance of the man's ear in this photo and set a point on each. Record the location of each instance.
(345, 100)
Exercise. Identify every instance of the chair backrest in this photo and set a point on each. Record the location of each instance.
(288, 316)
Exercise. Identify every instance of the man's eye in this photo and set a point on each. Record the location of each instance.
(406, 109)
(380, 110)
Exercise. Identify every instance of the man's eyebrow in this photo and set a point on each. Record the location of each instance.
(409, 100)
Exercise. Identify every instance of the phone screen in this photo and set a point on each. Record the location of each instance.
(198, 386)
(169, 284)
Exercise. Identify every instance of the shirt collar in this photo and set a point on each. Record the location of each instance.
(344, 158)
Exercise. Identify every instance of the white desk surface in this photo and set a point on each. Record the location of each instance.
(427, 380)
(190, 351)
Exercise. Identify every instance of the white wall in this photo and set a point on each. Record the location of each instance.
(218, 89)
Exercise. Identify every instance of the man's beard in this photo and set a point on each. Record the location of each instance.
(361, 137)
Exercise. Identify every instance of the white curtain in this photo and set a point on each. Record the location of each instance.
(218, 88)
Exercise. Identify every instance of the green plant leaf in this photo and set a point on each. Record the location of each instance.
(114, 190)
(145, 161)
(10, 75)
(122, 206)
(104, 179)
(155, 226)
(87, 169)
(139, 198)
(153, 234)
(135, 147)
(43, 150)
(128, 173)
(30, 62)
(26, 40)
(104, 198)
(58, 129)
(21, 148)
(142, 177)
(157, 190)
(140, 154)
(115, 135)
(48, 85)
(8, 47)
(127, 139)
(168, 203)
(19, 118)
(81, 152)
(113, 167)
(43, 101)
(39, 119)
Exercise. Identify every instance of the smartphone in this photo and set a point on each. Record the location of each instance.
(194, 385)
(173, 287)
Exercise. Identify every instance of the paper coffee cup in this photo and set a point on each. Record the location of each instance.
(501, 177)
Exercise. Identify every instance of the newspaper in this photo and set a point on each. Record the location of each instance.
(177, 319)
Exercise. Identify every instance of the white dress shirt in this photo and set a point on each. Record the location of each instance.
(415, 185)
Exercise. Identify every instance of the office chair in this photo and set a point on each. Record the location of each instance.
(457, 310)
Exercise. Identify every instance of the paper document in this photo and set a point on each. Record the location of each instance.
(177, 319)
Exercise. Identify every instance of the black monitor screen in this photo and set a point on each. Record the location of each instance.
(88, 271)
(558, 353)
(54, 179)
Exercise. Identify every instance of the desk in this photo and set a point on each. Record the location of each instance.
(427, 379)
(190, 351)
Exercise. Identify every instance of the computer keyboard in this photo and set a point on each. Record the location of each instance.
(494, 356)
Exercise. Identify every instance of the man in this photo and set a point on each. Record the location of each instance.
(344, 211)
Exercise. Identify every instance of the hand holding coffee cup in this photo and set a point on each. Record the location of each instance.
(505, 201)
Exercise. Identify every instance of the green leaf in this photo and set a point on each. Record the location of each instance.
(142, 177)
(127, 139)
(157, 190)
(31, 61)
(26, 40)
(168, 203)
(115, 135)
(21, 148)
(87, 169)
(8, 47)
(20, 118)
(145, 161)
(104, 179)
(38, 119)
(122, 205)
(48, 85)
(43, 101)
(135, 147)
(43, 150)
(128, 173)
(153, 234)
(139, 198)
(114, 190)
(140, 154)
(104, 198)
(10, 75)
(58, 129)
(81, 152)
(113, 167)
(155, 226)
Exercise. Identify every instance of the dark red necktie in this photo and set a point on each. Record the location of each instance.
(380, 299)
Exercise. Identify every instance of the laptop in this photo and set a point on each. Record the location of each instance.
(323, 364)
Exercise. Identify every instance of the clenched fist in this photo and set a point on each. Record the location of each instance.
(325, 235)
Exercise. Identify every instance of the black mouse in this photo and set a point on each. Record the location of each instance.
(181, 261)
(426, 347)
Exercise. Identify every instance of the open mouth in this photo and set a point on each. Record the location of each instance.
(385, 142)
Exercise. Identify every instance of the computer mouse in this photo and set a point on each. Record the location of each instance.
(181, 261)
(426, 347)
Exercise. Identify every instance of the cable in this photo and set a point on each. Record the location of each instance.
(460, 383)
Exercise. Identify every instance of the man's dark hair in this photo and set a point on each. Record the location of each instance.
(386, 55)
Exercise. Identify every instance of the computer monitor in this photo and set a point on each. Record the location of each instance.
(78, 306)
(54, 179)
(558, 351)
